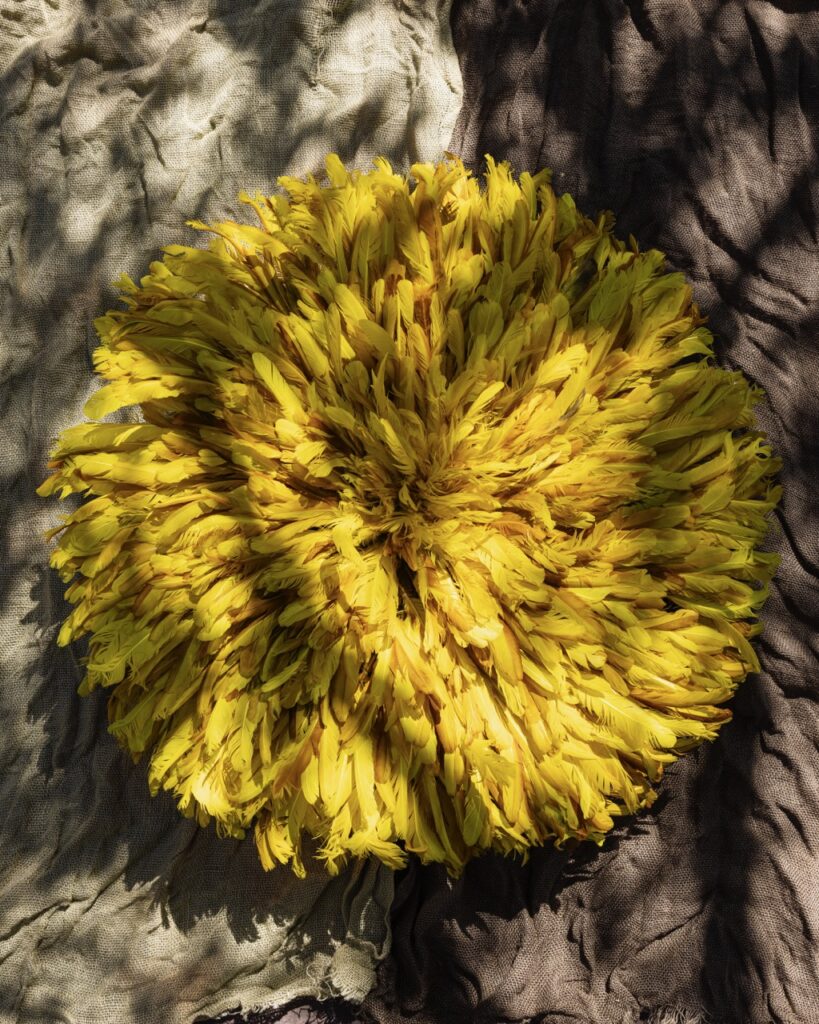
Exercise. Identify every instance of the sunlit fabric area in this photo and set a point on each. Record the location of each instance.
(697, 125)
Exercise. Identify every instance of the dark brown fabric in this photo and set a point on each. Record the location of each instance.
(697, 124)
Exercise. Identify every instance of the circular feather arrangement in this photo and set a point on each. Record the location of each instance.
(440, 529)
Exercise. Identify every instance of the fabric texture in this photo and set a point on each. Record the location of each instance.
(697, 124)
(119, 121)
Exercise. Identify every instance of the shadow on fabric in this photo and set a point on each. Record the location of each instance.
(698, 125)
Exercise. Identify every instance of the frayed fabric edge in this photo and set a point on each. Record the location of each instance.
(675, 1015)
(297, 1011)
(338, 1011)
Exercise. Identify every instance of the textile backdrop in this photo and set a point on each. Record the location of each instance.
(697, 125)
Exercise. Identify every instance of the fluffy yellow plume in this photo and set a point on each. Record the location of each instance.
(440, 532)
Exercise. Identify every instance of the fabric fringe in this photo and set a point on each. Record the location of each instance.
(337, 1011)
(674, 1015)
(298, 1011)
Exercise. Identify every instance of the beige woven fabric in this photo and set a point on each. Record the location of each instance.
(119, 121)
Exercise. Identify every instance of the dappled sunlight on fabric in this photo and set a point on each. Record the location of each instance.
(118, 122)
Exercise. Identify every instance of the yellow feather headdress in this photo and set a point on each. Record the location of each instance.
(441, 530)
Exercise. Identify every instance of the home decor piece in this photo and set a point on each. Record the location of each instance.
(440, 532)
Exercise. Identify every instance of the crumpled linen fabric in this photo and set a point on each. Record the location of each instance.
(698, 125)
(119, 121)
